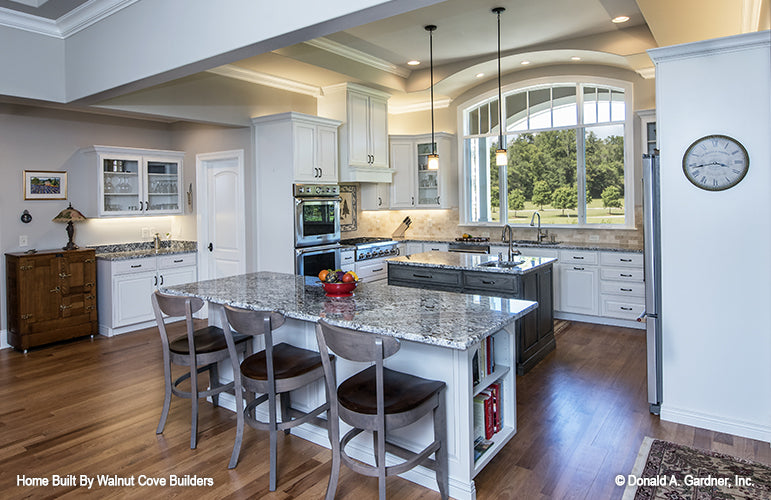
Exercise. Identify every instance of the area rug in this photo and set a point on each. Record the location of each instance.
(670, 471)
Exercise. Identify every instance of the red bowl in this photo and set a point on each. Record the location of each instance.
(338, 289)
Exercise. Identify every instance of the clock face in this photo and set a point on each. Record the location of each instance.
(716, 162)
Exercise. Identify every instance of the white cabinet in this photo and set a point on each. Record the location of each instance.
(363, 137)
(372, 270)
(414, 185)
(435, 247)
(412, 247)
(579, 282)
(375, 196)
(132, 182)
(348, 260)
(124, 288)
(622, 290)
(312, 142)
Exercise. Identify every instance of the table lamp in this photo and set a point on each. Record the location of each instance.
(70, 215)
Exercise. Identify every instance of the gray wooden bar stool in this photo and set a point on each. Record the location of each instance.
(198, 349)
(379, 400)
(272, 372)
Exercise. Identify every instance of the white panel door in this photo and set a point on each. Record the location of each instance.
(326, 153)
(403, 185)
(131, 298)
(378, 121)
(579, 289)
(222, 229)
(358, 130)
(177, 276)
(304, 153)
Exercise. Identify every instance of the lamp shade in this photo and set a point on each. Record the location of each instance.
(433, 162)
(69, 214)
(501, 157)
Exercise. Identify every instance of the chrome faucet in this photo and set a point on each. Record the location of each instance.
(507, 230)
(157, 239)
(540, 235)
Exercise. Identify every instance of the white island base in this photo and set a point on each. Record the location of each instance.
(453, 366)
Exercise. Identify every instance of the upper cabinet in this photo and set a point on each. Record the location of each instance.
(311, 141)
(363, 137)
(132, 182)
(414, 185)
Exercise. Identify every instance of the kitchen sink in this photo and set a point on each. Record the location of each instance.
(502, 264)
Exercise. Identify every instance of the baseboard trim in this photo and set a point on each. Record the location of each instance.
(4, 339)
(599, 320)
(716, 423)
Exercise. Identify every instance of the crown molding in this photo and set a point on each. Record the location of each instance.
(277, 82)
(72, 22)
(703, 48)
(647, 73)
(418, 106)
(358, 56)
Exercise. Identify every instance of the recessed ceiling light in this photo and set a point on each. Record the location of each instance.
(525, 63)
(480, 75)
(413, 62)
(620, 19)
(575, 58)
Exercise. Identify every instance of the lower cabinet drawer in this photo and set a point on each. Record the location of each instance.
(491, 282)
(622, 308)
(133, 265)
(622, 288)
(177, 260)
(621, 273)
(372, 271)
(421, 275)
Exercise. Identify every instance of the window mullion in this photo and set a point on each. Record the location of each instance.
(580, 156)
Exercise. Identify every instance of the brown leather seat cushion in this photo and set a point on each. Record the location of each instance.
(288, 361)
(402, 392)
(209, 339)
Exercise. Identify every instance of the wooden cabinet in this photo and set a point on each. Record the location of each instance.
(414, 185)
(51, 296)
(125, 287)
(306, 144)
(363, 137)
(133, 182)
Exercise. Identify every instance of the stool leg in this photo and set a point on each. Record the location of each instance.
(380, 460)
(285, 406)
(166, 396)
(273, 438)
(194, 403)
(333, 429)
(440, 434)
(239, 426)
(214, 382)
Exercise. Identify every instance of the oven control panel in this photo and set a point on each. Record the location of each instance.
(376, 252)
(303, 190)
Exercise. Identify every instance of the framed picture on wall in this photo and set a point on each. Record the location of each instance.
(348, 207)
(45, 185)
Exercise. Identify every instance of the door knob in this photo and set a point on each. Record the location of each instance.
(211, 247)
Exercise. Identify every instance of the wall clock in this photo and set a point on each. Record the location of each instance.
(715, 162)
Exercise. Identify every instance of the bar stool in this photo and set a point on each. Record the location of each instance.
(198, 349)
(378, 399)
(272, 372)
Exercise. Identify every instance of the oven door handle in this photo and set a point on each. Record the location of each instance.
(299, 201)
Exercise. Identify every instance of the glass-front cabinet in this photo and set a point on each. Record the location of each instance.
(428, 180)
(414, 185)
(135, 182)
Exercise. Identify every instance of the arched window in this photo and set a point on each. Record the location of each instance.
(569, 153)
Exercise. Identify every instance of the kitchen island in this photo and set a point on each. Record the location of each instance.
(441, 335)
(529, 278)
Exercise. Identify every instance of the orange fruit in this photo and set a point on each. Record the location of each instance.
(323, 274)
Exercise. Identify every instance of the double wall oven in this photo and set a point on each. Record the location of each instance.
(316, 228)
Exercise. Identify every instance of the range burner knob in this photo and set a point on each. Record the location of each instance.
(368, 255)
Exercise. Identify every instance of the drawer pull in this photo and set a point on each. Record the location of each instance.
(427, 277)
(55, 290)
(625, 260)
(90, 283)
(625, 275)
(63, 307)
(378, 269)
(64, 275)
(578, 258)
(134, 266)
(89, 308)
(177, 261)
(89, 297)
(88, 261)
(26, 316)
(626, 289)
(488, 282)
(578, 268)
(626, 308)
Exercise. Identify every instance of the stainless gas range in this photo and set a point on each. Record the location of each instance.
(370, 256)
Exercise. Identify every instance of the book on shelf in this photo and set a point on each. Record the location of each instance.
(479, 416)
(480, 446)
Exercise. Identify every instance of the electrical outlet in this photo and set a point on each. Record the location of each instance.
(145, 232)
(594, 237)
(23, 240)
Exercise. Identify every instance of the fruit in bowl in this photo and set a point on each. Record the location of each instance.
(338, 283)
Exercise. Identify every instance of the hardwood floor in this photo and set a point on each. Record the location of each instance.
(91, 407)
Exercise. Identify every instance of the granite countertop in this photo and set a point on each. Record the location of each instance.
(125, 251)
(444, 319)
(605, 247)
(471, 262)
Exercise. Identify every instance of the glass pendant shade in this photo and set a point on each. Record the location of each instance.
(501, 157)
(433, 161)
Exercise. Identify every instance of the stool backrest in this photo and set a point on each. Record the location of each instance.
(175, 306)
(356, 346)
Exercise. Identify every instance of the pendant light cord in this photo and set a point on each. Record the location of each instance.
(431, 63)
(500, 103)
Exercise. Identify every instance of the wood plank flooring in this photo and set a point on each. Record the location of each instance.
(91, 407)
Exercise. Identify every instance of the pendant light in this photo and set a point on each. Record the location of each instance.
(433, 158)
(501, 157)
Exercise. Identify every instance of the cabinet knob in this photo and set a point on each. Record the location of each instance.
(26, 316)
(63, 307)
(89, 284)
(55, 290)
(64, 275)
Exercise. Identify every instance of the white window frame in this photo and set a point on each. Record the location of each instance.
(629, 148)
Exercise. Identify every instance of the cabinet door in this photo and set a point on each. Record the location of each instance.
(39, 290)
(162, 186)
(403, 164)
(378, 121)
(120, 185)
(427, 180)
(326, 153)
(304, 144)
(579, 289)
(436, 247)
(375, 196)
(358, 130)
(77, 273)
(131, 298)
(178, 276)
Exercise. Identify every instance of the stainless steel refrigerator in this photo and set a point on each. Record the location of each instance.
(652, 249)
